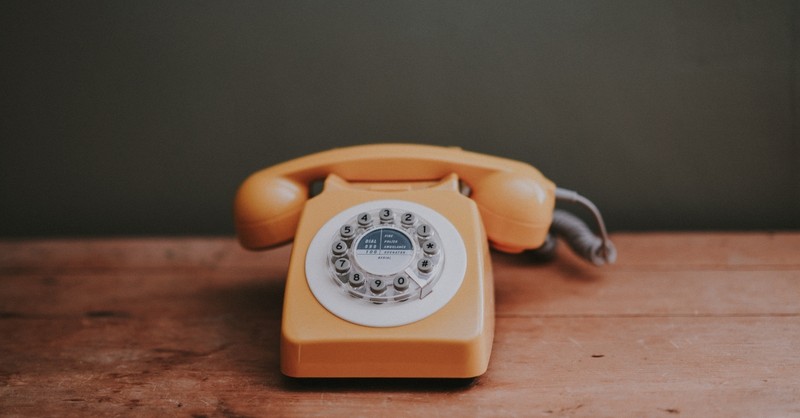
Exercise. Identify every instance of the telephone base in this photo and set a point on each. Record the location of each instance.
(454, 341)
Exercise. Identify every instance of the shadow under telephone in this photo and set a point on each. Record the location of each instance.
(390, 274)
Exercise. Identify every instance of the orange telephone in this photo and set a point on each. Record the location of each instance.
(390, 274)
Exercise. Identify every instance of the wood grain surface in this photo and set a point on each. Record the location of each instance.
(685, 324)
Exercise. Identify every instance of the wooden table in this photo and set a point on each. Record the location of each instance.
(685, 324)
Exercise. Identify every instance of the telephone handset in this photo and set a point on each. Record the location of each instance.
(390, 274)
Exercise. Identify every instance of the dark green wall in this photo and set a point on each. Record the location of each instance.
(142, 117)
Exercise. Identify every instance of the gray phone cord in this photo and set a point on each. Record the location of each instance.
(597, 249)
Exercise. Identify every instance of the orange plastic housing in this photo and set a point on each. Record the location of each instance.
(456, 341)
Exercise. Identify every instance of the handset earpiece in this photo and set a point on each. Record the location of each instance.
(516, 209)
(267, 209)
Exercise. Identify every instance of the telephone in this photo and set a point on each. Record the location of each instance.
(390, 274)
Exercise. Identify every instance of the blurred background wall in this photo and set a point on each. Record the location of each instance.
(142, 117)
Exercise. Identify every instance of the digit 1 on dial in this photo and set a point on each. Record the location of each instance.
(424, 230)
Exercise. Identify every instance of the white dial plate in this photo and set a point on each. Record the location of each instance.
(363, 312)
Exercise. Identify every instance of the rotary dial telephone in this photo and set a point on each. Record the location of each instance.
(390, 274)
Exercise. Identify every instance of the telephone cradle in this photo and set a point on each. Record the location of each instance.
(390, 273)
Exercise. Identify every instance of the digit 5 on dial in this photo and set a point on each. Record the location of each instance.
(390, 274)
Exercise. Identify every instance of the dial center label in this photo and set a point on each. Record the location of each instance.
(384, 251)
